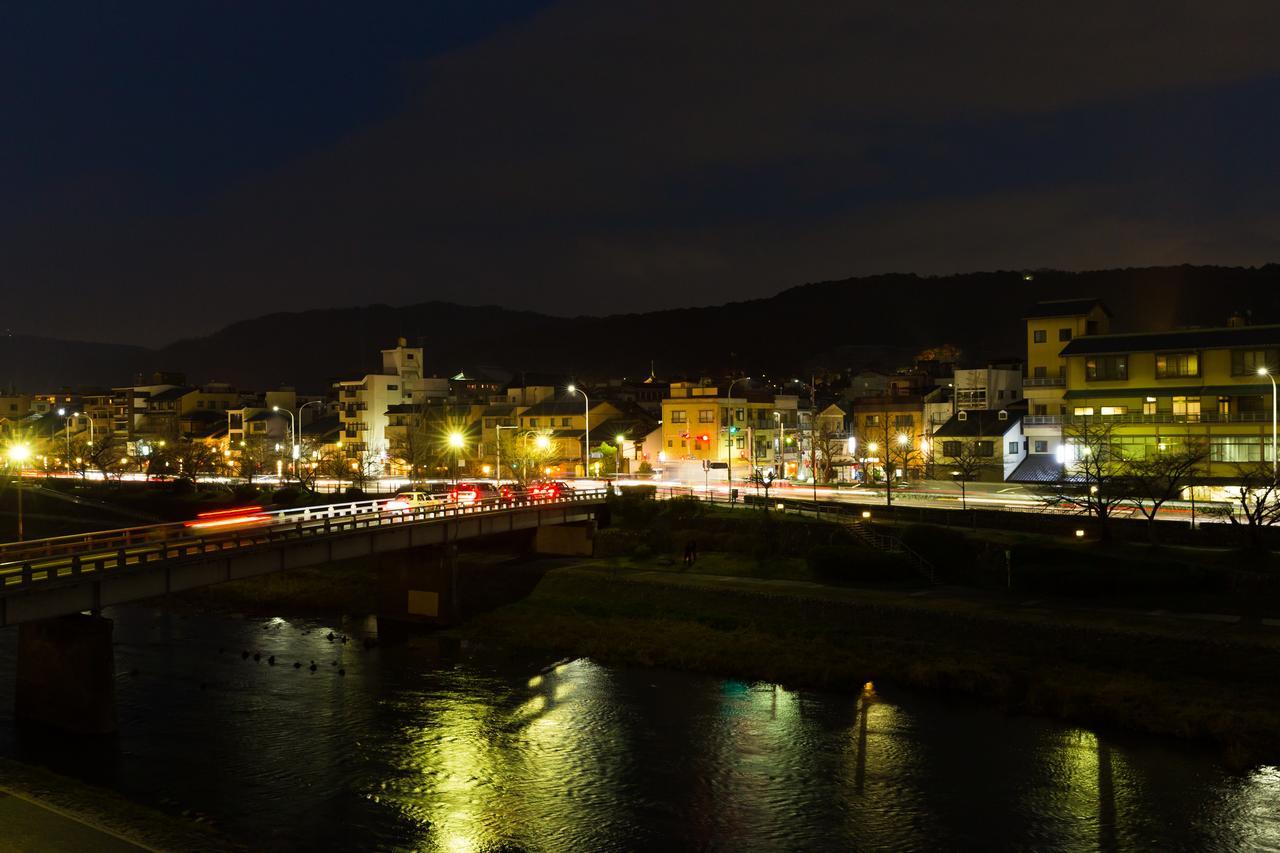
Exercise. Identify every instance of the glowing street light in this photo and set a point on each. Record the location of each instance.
(617, 454)
(1262, 371)
(542, 442)
(586, 413)
(456, 441)
(18, 454)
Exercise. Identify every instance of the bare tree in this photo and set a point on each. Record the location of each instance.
(528, 453)
(253, 458)
(967, 464)
(1160, 477)
(826, 447)
(1258, 500)
(1099, 469)
(193, 459)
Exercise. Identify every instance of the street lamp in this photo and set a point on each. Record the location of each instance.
(732, 430)
(293, 444)
(66, 429)
(1262, 371)
(19, 454)
(457, 441)
(617, 454)
(586, 415)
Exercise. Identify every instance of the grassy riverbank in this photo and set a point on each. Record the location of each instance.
(76, 813)
(1187, 681)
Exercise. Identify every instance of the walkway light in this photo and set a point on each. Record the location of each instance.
(542, 442)
(456, 440)
(19, 453)
(903, 439)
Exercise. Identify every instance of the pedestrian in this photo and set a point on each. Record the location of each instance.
(688, 554)
(693, 551)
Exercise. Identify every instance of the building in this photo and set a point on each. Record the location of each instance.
(1050, 326)
(984, 444)
(363, 403)
(1158, 390)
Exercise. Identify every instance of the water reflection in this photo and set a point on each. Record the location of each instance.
(426, 745)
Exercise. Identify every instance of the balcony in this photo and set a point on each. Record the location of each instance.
(1042, 420)
(1044, 381)
(1165, 418)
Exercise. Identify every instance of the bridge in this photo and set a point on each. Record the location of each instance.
(55, 588)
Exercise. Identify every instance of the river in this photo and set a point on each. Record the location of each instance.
(433, 745)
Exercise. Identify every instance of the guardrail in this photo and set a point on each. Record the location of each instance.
(61, 556)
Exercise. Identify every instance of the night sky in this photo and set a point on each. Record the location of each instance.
(167, 168)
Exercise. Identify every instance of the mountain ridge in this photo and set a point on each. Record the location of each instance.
(882, 319)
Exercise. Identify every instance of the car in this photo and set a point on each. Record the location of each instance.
(406, 501)
(548, 489)
(466, 494)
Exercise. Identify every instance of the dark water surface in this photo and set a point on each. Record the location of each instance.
(427, 746)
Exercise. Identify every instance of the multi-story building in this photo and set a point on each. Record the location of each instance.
(363, 403)
(1051, 326)
(991, 441)
(1162, 389)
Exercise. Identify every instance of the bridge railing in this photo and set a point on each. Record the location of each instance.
(173, 539)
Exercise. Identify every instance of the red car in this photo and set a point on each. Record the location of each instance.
(548, 489)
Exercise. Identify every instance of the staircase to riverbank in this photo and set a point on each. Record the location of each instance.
(890, 544)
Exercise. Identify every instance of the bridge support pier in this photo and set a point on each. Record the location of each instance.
(66, 674)
(420, 586)
(576, 539)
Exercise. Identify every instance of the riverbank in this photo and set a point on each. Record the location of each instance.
(47, 812)
(1198, 680)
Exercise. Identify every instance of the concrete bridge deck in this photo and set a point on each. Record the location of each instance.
(62, 575)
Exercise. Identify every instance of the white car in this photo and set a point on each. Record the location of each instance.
(406, 501)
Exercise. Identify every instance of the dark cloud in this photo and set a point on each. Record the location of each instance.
(613, 157)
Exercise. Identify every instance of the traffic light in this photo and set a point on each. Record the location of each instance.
(704, 437)
(733, 430)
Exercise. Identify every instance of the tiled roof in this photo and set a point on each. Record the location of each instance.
(1037, 468)
(1221, 338)
(980, 422)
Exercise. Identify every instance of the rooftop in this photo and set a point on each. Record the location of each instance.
(1210, 338)
(980, 422)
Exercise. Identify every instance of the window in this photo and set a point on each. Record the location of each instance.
(671, 442)
(1041, 372)
(408, 356)
(1177, 364)
(950, 448)
(1106, 367)
(393, 387)
(679, 416)
(1083, 411)
(1224, 405)
(564, 422)
(1041, 409)
(706, 416)
(739, 414)
(873, 420)
(1041, 447)
(1115, 410)
(1236, 448)
(1014, 447)
(1188, 407)
(533, 422)
(984, 448)
(1149, 406)
(1039, 336)
(1064, 334)
(904, 421)
(1245, 362)
(741, 442)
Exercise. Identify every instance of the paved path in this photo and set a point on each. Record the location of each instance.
(27, 827)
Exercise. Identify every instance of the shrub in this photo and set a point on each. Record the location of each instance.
(355, 493)
(245, 492)
(287, 496)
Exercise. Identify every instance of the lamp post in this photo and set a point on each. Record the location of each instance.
(498, 432)
(66, 429)
(19, 454)
(617, 454)
(293, 445)
(586, 416)
(1262, 371)
(457, 442)
(732, 428)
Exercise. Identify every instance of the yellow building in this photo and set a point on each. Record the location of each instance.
(698, 423)
(1163, 389)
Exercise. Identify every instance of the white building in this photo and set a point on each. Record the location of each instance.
(363, 403)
